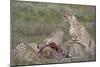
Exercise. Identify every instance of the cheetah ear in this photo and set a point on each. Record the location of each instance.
(38, 46)
(68, 12)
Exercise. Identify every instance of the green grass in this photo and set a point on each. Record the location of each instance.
(33, 22)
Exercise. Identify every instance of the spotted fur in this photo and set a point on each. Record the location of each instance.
(78, 32)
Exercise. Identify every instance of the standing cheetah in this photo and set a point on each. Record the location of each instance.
(79, 34)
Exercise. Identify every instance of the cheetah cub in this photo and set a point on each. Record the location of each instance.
(78, 33)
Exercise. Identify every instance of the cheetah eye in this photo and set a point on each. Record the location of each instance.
(64, 16)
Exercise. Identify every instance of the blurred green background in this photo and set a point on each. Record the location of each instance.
(33, 21)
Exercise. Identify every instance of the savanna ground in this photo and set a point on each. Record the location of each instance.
(32, 22)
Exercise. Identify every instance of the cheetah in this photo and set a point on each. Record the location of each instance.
(52, 44)
(79, 34)
(56, 36)
(25, 52)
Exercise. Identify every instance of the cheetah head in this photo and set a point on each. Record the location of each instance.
(68, 16)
